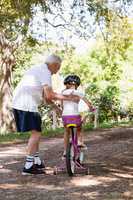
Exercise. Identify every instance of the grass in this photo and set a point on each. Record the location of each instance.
(116, 124)
(14, 137)
(22, 137)
(109, 125)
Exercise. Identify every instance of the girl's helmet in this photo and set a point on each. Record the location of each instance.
(72, 79)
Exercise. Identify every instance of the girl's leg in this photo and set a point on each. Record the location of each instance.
(66, 139)
(80, 135)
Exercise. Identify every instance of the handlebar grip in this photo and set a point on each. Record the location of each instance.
(93, 110)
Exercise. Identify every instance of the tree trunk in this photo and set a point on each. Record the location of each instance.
(96, 116)
(7, 60)
(54, 116)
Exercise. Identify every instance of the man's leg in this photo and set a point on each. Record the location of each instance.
(33, 143)
(33, 147)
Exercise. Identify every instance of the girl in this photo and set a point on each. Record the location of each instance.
(70, 112)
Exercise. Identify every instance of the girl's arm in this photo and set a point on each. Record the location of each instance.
(61, 104)
(89, 104)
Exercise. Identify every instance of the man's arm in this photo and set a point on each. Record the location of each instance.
(49, 95)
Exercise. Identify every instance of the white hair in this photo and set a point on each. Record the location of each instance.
(53, 59)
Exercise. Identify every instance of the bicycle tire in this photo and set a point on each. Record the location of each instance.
(70, 164)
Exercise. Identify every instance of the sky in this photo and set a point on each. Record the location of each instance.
(71, 33)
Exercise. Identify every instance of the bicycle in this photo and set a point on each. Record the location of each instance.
(74, 159)
(74, 152)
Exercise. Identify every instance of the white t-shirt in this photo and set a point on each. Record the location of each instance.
(28, 94)
(70, 107)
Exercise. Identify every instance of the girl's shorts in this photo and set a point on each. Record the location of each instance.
(27, 121)
(72, 119)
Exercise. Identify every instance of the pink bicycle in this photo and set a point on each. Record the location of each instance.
(74, 153)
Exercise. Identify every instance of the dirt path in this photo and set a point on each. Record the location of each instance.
(110, 159)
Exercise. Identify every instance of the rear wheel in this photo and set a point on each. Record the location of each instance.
(70, 163)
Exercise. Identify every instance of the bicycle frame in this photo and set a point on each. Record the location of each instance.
(74, 153)
(74, 142)
(74, 137)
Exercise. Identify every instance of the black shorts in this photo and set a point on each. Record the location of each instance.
(27, 121)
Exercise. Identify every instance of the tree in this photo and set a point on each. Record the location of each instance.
(15, 17)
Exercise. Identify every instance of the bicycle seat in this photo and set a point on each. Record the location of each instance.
(71, 125)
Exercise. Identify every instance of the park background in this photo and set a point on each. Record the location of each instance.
(95, 41)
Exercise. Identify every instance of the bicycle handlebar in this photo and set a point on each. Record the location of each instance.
(93, 110)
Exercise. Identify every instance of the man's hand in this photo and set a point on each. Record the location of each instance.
(55, 107)
(48, 101)
(47, 94)
(58, 111)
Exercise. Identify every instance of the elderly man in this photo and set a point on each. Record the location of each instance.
(34, 87)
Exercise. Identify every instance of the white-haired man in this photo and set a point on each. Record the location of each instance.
(34, 87)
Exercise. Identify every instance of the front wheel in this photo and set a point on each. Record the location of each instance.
(70, 163)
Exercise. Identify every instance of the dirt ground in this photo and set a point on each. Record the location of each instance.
(109, 157)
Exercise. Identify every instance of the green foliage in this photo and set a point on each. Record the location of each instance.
(102, 70)
(26, 56)
(109, 104)
(45, 111)
(16, 16)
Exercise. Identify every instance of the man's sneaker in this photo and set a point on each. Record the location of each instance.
(41, 166)
(32, 171)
